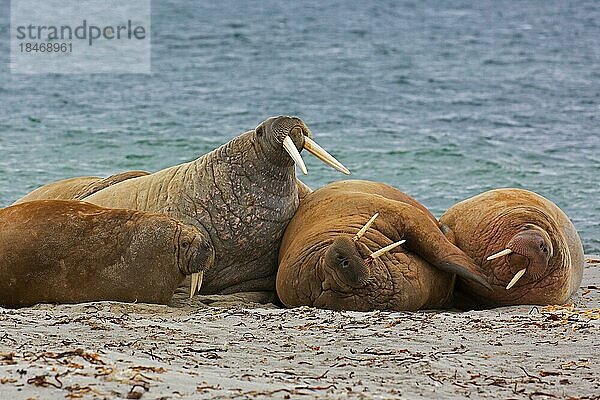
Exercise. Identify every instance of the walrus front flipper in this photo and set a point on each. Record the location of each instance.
(424, 238)
(454, 260)
(460, 270)
(106, 182)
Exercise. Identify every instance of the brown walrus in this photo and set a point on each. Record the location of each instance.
(56, 251)
(241, 195)
(329, 257)
(527, 248)
(77, 188)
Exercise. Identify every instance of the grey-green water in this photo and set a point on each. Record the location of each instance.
(442, 99)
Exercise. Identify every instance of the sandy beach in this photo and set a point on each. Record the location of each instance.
(114, 350)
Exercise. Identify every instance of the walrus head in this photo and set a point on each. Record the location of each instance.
(292, 135)
(195, 254)
(350, 265)
(345, 264)
(525, 245)
(528, 253)
(347, 261)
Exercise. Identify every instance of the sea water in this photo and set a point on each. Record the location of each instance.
(441, 99)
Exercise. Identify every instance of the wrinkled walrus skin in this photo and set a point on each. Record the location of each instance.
(242, 195)
(322, 265)
(77, 188)
(541, 238)
(56, 251)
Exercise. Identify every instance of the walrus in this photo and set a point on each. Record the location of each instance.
(337, 252)
(526, 246)
(77, 188)
(59, 251)
(242, 195)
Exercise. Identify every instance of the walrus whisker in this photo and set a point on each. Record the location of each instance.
(516, 278)
(364, 229)
(499, 254)
(197, 278)
(386, 249)
(313, 148)
(290, 147)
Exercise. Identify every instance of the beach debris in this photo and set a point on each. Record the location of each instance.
(7, 358)
(92, 358)
(134, 394)
(567, 313)
(77, 392)
(316, 353)
(42, 380)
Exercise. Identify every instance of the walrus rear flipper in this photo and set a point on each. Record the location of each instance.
(106, 182)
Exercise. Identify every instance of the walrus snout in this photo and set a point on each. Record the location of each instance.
(345, 257)
(202, 256)
(293, 134)
(197, 255)
(285, 125)
(528, 251)
(532, 251)
(345, 263)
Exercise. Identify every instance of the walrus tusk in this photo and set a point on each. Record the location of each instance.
(384, 250)
(515, 278)
(290, 147)
(196, 283)
(365, 227)
(499, 254)
(313, 148)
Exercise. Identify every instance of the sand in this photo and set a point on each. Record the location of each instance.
(115, 350)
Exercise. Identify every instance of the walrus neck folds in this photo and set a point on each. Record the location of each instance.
(249, 152)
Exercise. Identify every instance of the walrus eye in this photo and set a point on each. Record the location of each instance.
(343, 261)
(185, 245)
(543, 248)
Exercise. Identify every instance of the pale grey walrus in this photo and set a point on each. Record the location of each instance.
(241, 195)
(77, 188)
(527, 248)
(56, 251)
(342, 251)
